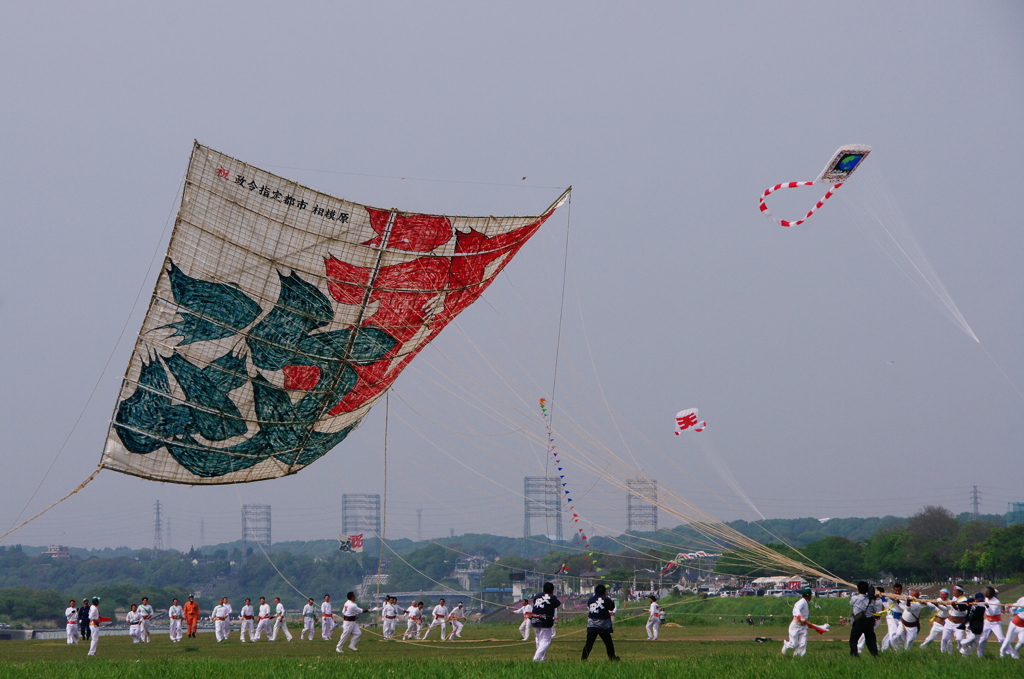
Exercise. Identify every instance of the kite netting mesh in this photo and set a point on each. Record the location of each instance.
(281, 316)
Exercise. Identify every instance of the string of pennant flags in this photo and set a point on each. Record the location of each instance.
(574, 519)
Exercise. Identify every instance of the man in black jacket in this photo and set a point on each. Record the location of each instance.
(83, 619)
(543, 620)
(600, 620)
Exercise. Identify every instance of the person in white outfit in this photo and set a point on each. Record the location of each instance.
(94, 625)
(993, 620)
(654, 619)
(1014, 631)
(134, 620)
(910, 621)
(957, 616)
(308, 620)
(221, 620)
(263, 619)
(71, 614)
(798, 626)
(246, 618)
(350, 613)
(146, 611)
(414, 620)
(389, 617)
(456, 618)
(438, 618)
(543, 620)
(326, 618)
(525, 609)
(175, 614)
(941, 609)
(893, 631)
(280, 622)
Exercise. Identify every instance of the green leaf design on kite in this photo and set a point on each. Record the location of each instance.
(218, 309)
(209, 462)
(148, 417)
(301, 308)
(369, 346)
(215, 415)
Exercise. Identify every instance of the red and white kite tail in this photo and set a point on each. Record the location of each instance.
(792, 185)
(701, 426)
(820, 630)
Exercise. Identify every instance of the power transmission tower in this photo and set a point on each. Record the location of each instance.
(419, 524)
(542, 499)
(158, 533)
(255, 526)
(202, 533)
(169, 542)
(976, 502)
(360, 513)
(641, 510)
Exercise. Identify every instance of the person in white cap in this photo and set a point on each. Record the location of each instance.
(326, 618)
(957, 617)
(263, 619)
(798, 626)
(941, 608)
(653, 619)
(308, 620)
(71, 614)
(414, 620)
(1014, 631)
(175, 614)
(525, 609)
(280, 623)
(439, 616)
(350, 613)
(246, 616)
(456, 618)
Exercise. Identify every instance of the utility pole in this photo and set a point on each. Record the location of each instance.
(419, 524)
(976, 502)
(158, 535)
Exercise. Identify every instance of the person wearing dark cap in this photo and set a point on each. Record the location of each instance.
(974, 624)
(798, 626)
(600, 622)
(864, 605)
(993, 619)
(83, 619)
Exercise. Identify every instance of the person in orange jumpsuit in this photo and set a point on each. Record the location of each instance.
(191, 615)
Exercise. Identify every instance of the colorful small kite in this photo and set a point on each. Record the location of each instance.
(842, 164)
(687, 419)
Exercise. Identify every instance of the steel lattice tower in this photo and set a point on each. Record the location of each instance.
(641, 510)
(255, 526)
(158, 534)
(542, 499)
(360, 514)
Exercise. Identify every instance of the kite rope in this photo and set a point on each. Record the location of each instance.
(384, 519)
(792, 185)
(78, 488)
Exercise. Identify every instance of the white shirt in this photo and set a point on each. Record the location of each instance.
(279, 610)
(71, 614)
(413, 612)
(327, 609)
(220, 611)
(940, 607)
(246, 612)
(307, 611)
(655, 610)
(457, 612)
(351, 609)
(388, 610)
(133, 618)
(524, 610)
(94, 613)
(175, 612)
(264, 611)
(802, 609)
(145, 610)
(912, 612)
(993, 607)
(440, 611)
(230, 610)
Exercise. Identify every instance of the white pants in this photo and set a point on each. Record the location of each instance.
(893, 631)
(307, 626)
(263, 625)
(1012, 642)
(906, 637)
(326, 628)
(412, 629)
(247, 628)
(949, 633)
(389, 625)
(222, 628)
(456, 629)
(542, 635)
(94, 636)
(436, 623)
(797, 639)
(524, 629)
(174, 630)
(991, 627)
(145, 630)
(73, 634)
(135, 632)
(280, 625)
(938, 624)
(349, 629)
(653, 624)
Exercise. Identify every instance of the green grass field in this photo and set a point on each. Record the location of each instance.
(712, 651)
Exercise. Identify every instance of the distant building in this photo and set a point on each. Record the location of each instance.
(780, 582)
(470, 572)
(57, 552)
(1015, 513)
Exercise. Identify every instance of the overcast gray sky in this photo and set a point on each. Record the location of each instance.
(668, 119)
